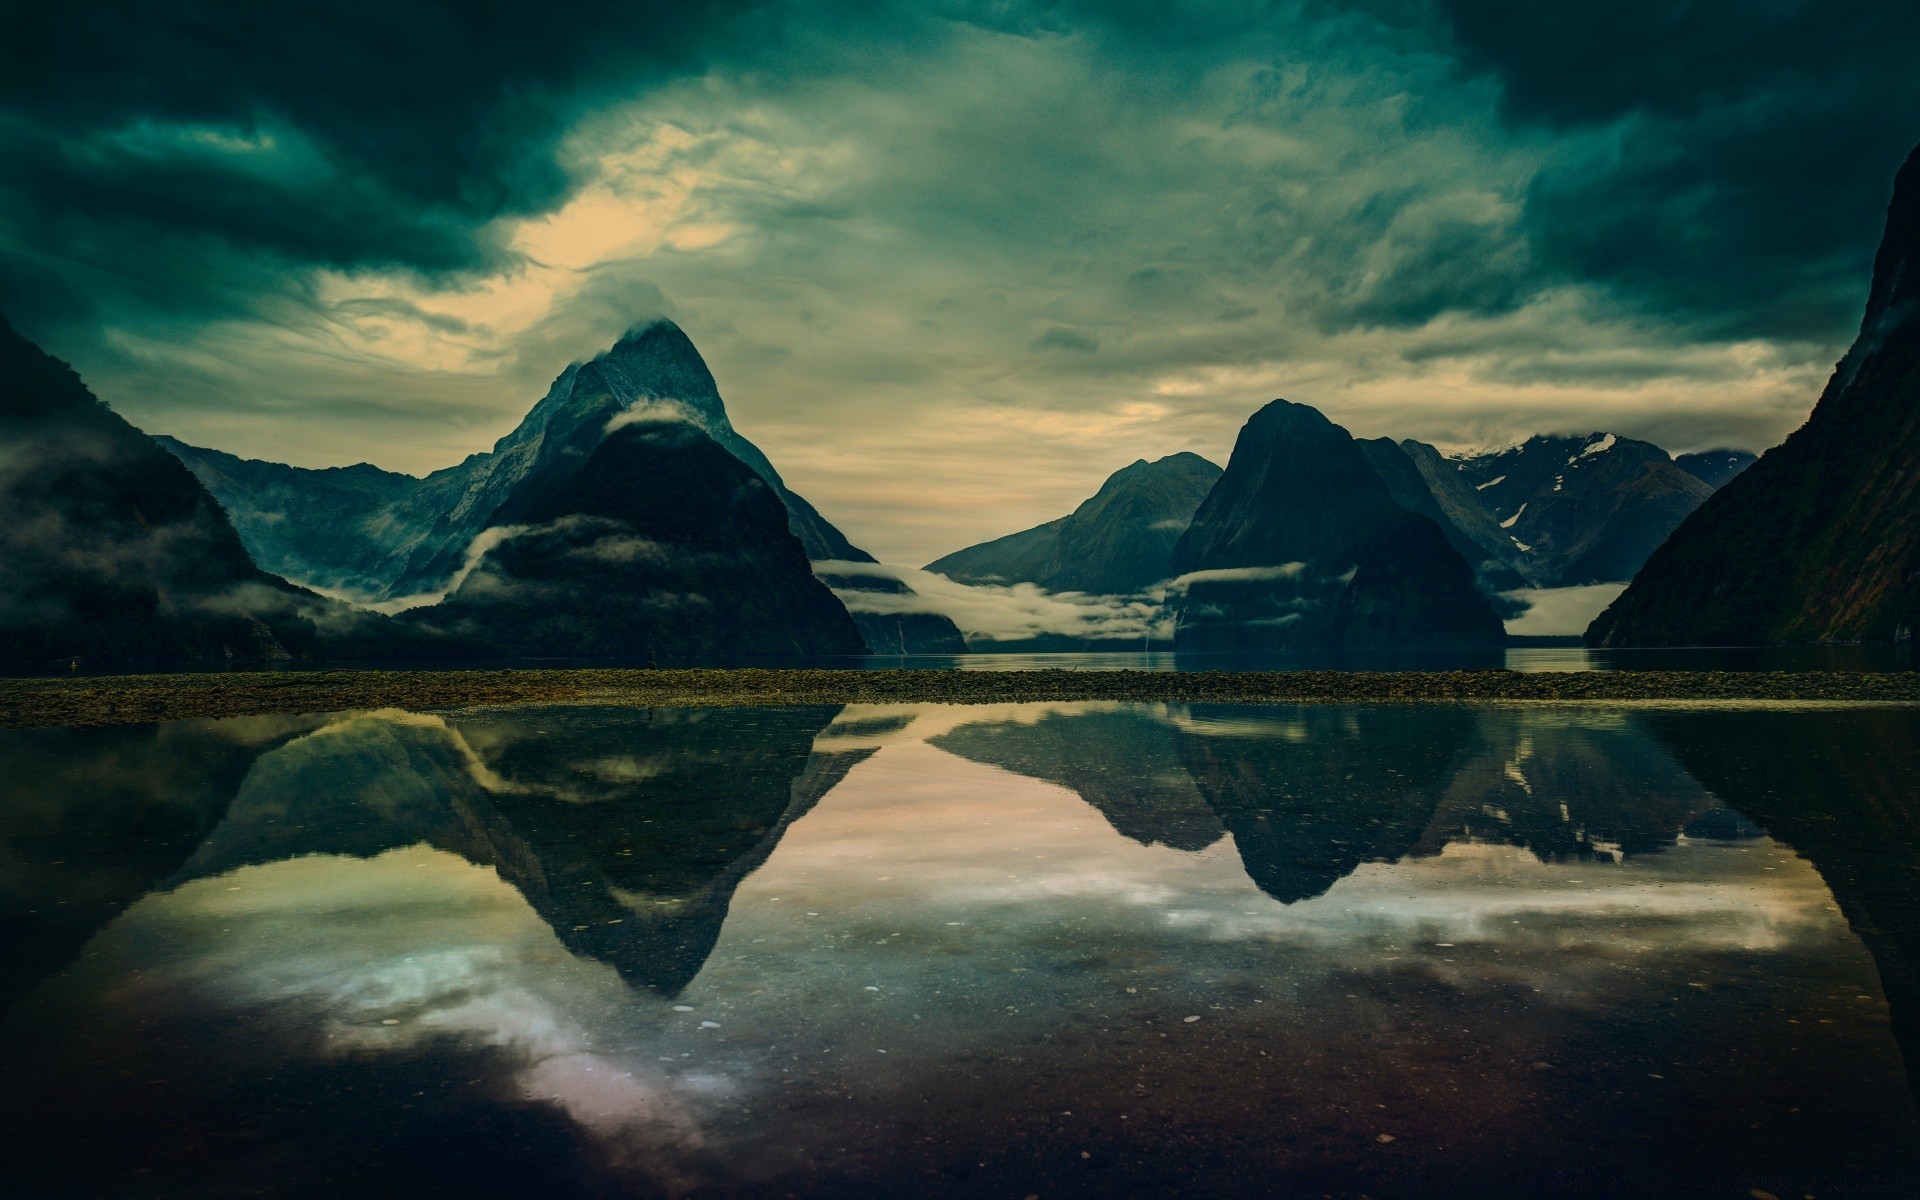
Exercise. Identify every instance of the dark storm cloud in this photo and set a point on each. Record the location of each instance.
(140, 138)
(953, 262)
(1734, 156)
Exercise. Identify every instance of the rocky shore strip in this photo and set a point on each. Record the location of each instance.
(126, 699)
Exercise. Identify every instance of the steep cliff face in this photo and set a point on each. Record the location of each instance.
(1119, 542)
(1408, 486)
(1820, 539)
(1301, 546)
(660, 544)
(388, 537)
(1461, 504)
(114, 552)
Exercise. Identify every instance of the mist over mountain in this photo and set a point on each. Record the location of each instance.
(391, 538)
(1544, 524)
(114, 552)
(1118, 542)
(1820, 539)
(660, 544)
(1300, 545)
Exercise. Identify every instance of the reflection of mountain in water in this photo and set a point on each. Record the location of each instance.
(1311, 793)
(644, 822)
(1843, 789)
(92, 819)
(1572, 789)
(1121, 761)
(626, 830)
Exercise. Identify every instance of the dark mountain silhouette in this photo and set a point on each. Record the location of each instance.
(114, 553)
(1119, 542)
(1819, 541)
(1407, 484)
(660, 544)
(388, 537)
(1300, 545)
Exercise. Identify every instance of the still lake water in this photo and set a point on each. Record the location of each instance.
(1034, 950)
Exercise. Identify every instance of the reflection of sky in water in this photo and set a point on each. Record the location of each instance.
(945, 950)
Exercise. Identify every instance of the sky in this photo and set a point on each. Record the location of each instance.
(953, 263)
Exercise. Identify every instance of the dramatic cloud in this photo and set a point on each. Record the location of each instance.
(951, 264)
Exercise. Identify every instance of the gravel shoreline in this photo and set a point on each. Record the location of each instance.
(125, 699)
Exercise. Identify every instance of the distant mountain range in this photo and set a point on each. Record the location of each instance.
(391, 538)
(1576, 510)
(625, 516)
(1819, 541)
(1553, 511)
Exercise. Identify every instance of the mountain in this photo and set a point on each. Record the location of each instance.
(1819, 541)
(114, 552)
(1301, 546)
(661, 543)
(1406, 481)
(1580, 510)
(1715, 467)
(391, 537)
(324, 527)
(1117, 543)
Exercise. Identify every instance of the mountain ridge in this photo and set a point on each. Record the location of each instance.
(1818, 541)
(1119, 541)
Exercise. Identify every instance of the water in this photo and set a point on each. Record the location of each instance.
(1038, 950)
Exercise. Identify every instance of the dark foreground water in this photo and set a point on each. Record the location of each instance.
(1033, 951)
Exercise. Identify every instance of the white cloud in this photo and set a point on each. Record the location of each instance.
(1009, 612)
(1560, 612)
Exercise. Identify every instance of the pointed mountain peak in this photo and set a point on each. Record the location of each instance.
(660, 361)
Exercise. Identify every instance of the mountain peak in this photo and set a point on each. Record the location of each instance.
(657, 360)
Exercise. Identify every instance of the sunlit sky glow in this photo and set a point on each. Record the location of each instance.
(954, 264)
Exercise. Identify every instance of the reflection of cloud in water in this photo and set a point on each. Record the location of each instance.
(390, 953)
(928, 926)
(952, 835)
